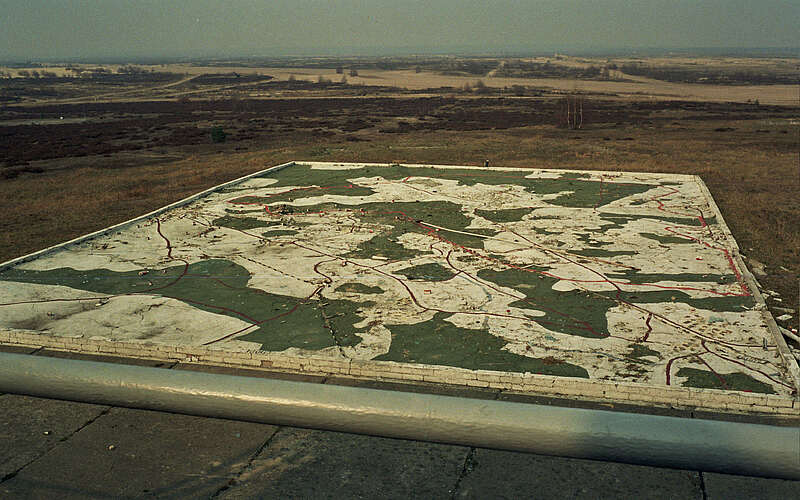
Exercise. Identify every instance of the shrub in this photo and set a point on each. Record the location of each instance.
(218, 135)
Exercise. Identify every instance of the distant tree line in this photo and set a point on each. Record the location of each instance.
(707, 75)
(528, 69)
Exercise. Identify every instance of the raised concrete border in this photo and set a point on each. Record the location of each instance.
(528, 383)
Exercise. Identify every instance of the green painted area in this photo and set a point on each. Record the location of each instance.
(386, 245)
(580, 313)
(736, 381)
(541, 230)
(307, 192)
(240, 212)
(406, 217)
(585, 193)
(214, 285)
(618, 221)
(279, 232)
(467, 240)
(599, 252)
(639, 351)
(578, 190)
(243, 223)
(588, 239)
(439, 342)
(666, 239)
(358, 288)
(340, 316)
(427, 272)
(506, 215)
(574, 312)
(632, 276)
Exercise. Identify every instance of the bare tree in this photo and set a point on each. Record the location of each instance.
(572, 112)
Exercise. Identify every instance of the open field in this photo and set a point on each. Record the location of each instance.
(722, 79)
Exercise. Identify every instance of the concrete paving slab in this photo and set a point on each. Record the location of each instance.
(505, 474)
(154, 454)
(301, 463)
(724, 486)
(30, 427)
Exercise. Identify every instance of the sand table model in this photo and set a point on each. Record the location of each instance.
(510, 274)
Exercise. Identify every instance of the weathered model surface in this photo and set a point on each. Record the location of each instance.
(610, 276)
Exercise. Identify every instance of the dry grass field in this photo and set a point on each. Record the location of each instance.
(60, 181)
(708, 79)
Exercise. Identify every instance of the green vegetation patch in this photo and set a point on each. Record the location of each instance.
(505, 215)
(358, 288)
(427, 272)
(439, 342)
(736, 381)
(666, 239)
(214, 285)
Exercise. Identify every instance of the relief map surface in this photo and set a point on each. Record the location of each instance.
(601, 275)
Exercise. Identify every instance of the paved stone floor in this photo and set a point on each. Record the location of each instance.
(51, 448)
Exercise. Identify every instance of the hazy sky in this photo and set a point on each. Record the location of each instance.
(52, 29)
